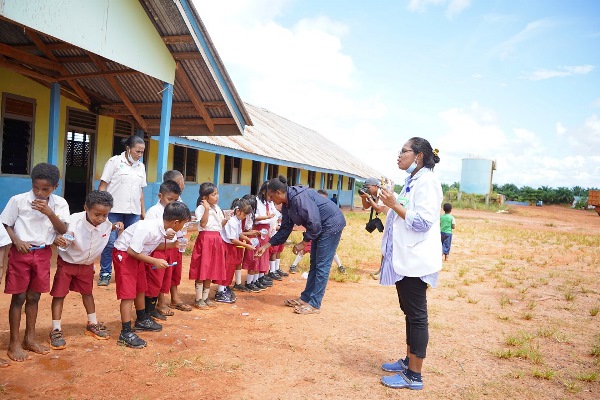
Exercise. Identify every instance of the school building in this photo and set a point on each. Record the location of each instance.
(78, 76)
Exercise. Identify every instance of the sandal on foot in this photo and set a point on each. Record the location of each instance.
(181, 307)
(165, 311)
(306, 309)
(294, 302)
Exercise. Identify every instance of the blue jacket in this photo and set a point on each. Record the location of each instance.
(306, 207)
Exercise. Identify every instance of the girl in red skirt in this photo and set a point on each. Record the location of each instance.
(208, 257)
(275, 251)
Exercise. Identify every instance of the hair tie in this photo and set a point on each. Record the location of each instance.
(436, 152)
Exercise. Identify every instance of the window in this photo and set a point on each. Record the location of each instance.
(125, 129)
(272, 171)
(350, 183)
(340, 181)
(18, 114)
(292, 176)
(232, 170)
(329, 181)
(312, 177)
(185, 160)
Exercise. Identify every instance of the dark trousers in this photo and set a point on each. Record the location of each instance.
(413, 302)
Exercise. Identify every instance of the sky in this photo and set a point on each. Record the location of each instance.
(514, 81)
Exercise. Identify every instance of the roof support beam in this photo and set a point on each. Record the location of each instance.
(25, 71)
(175, 39)
(185, 107)
(188, 88)
(99, 74)
(120, 92)
(187, 55)
(27, 58)
(35, 38)
(182, 122)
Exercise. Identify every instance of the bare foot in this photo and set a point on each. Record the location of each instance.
(4, 363)
(35, 347)
(16, 353)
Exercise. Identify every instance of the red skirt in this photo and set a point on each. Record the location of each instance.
(276, 249)
(208, 257)
(233, 258)
(252, 263)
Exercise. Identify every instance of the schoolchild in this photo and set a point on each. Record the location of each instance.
(130, 256)
(32, 221)
(248, 231)
(208, 256)
(275, 271)
(235, 243)
(90, 230)
(258, 266)
(4, 242)
(159, 279)
(176, 302)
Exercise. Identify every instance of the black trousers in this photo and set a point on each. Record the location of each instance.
(413, 302)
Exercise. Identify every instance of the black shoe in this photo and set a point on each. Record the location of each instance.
(232, 295)
(130, 339)
(158, 315)
(104, 280)
(259, 285)
(223, 297)
(282, 273)
(293, 269)
(57, 342)
(266, 277)
(252, 288)
(342, 269)
(275, 275)
(147, 325)
(265, 282)
(240, 288)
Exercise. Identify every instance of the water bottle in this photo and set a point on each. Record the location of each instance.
(70, 239)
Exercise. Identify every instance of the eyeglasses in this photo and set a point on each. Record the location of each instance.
(403, 151)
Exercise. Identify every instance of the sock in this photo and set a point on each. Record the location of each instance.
(260, 275)
(337, 260)
(414, 376)
(199, 288)
(141, 314)
(56, 324)
(238, 276)
(221, 288)
(126, 326)
(249, 279)
(92, 319)
(277, 262)
(255, 278)
(205, 294)
(297, 260)
(153, 301)
(272, 266)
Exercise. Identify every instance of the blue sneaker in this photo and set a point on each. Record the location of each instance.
(398, 366)
(401, 381)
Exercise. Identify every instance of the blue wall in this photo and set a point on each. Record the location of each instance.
(12, 185)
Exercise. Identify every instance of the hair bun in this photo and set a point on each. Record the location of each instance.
(282, 179)
(436, 159)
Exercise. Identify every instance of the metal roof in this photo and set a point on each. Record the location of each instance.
(277, 138)
(204, 99)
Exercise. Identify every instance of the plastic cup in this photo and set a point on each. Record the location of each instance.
(70, 239)
(182, 244)
(263, 233)
(254, 242)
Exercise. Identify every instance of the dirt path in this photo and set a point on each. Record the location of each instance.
(524, 282)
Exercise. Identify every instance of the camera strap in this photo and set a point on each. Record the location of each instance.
(371, 216)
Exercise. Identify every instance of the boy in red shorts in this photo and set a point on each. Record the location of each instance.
(130, 256)
(75, 263)
(32, 221)
(159, 280)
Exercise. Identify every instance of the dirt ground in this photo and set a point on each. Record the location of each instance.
(512, 317)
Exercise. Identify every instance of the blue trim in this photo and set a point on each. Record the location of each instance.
(322, 181)
(265, 171)
(213, 63)
(165, 127)
(54, 122)
(217, 171)
(353, 189)
(226, 151)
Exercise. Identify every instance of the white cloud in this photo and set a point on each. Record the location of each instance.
(560, 72)
(596, 103)
(560, 129)
(531, 30)
(454, 7)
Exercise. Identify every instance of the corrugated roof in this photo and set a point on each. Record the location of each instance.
(278, 138)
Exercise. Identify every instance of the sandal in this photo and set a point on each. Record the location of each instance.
(181, 307)
(294, 302)
(306, 309)
(165, 311)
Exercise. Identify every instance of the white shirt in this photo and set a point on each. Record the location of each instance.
(231, 230)
(415, 253)
(143, 237)
(4, 238)
(155, 212)
(276, 220)
(125, 183)
(215, 218)
(249, 223)
(261, 211)
(30, 225)
(89, 240)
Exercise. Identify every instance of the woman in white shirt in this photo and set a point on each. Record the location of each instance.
(411, 247)
(124, 176)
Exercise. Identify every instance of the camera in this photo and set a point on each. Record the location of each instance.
(373, 224)
(363, 190)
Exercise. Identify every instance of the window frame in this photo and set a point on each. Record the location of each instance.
(31, 120)
(184, 170)
(228, 176)
(312, 179)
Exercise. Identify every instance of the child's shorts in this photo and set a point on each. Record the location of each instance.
(159, 279)
(176, 274)
(130, 275)
(29, 271)
(72, 277)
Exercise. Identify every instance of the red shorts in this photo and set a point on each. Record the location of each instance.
(72, 277)
(29, 271)
(130, 275)
(159, 280)
(176, 270)
(276, 249)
